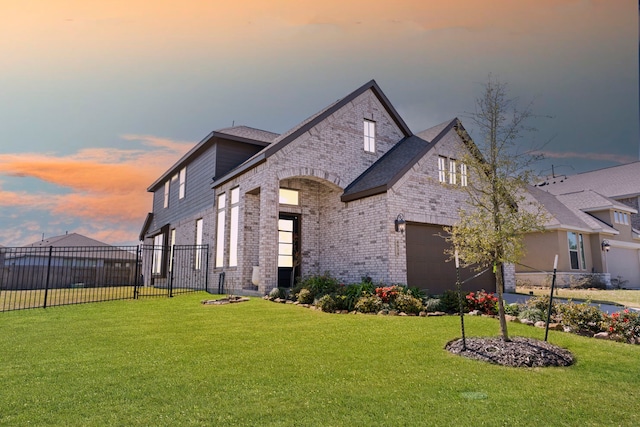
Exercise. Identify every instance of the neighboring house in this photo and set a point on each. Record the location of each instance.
(66, 261)
(593, 227)
(325, 197)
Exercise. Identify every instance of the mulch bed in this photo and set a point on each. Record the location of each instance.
(519, 352)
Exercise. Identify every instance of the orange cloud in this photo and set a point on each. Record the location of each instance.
(102, 186)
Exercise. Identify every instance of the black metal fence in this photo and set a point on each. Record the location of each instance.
(33, 277)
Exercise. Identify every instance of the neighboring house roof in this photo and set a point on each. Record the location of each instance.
(145, 227)
(617, 181)
(568, 211)
(66, 240)
(244, 134)
(313, 121)
(385, 172)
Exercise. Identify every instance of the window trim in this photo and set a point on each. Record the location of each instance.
(453, 176)
(183, 183)
(198, 246)
(220, 230)
(166, 194)
(579, 250)
(369, 136)
(442, 169)
(234, 225)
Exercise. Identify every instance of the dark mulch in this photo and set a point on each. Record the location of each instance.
(519, 352)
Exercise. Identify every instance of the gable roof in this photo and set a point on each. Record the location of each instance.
(66, 240)
(565, 212)
(312, 121)
(389, 168)
(244, 134)
(616, 182)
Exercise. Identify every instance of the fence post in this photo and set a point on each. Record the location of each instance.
(206, 271)
(46, 285)
(173, 266)
(136, 279)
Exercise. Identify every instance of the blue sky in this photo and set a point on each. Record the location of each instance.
(98, 98)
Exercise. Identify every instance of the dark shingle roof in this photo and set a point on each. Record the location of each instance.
(394, 164)
(314, 120)
(243, 134)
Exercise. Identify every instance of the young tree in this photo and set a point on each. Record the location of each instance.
(491, 230)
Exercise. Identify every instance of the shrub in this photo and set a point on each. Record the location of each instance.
(541, 303)
(432, 304)
(327, 304)
(369, 304)
(276, 293)
(341, 302)
(587, 281)
(533, 314)
(408, 304)
(482, 301)
(450, 302)
(512, 309)
(581, 318)
(625, 324)
(355, 291)
(416, 292)
(305, 296)
(320, 285)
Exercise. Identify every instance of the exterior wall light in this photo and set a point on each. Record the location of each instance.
(400, 223)
(606, 245)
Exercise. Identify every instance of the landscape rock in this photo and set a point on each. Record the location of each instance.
(510, 318)
(526, 322)
(540, 324)
(423, 314)
(602, 335)
(436, 313)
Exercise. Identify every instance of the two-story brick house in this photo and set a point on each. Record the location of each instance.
(350, 191)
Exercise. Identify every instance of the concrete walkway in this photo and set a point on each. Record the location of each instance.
(521, 299)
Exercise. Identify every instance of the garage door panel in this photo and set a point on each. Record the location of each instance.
(427, 266)
(625, 263)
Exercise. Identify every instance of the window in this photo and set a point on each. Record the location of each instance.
(172, 243)
(166, 194)
(198, 253)
(183, 182)
(463, 175)
(285, 243)
(369, 136)
(289, 197)
(158, 255)
(452, 172)
(576, 250)
(220, 230)
(621, 217)
(233, 227)
(442, 169)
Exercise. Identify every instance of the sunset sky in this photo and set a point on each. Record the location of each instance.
(98, 98)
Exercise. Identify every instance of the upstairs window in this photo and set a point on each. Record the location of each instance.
(183, 182)
(166, 194)
(442, 169)
(453, 176)
(463, 175)
(289, 197)
(369, 136)
(621, 217)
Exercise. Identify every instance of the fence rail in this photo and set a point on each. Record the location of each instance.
(33, 277)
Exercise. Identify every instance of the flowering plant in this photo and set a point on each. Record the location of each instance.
(388, 294)
(482, 301)
(625, 324)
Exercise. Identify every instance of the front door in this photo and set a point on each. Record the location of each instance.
(288, 249)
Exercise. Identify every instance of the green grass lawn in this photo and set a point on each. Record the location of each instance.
(157, 362)
(626, 297)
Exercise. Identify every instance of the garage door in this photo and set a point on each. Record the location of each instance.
(426, 266)
(625, 263)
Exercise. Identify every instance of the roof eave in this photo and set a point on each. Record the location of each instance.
(365, 193)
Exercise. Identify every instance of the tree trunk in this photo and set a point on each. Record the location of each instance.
(501, 314)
